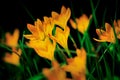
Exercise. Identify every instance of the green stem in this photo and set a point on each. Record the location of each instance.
(68, 52)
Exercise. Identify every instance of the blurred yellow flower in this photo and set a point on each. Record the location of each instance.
(77, 65)
(61, 36)
(56, 73)
(62, 18)
(14, 57)
(81, 23)
(12, 41)
(117, 28)
(108, 35)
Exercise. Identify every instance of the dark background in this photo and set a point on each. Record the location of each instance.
(17, 13)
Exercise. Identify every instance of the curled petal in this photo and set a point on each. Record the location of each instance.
(99, 40)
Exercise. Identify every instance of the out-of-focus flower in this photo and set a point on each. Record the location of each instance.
(62, 18)
(77, 65)
(108, 35)
(61, 36)
(117, 28)
(81, 23)
(14, 57)
(12, 41)
(55, 73)
(39, 39)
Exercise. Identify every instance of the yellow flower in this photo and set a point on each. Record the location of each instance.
(108, 35)
(77, 65)
(81, 23)
(12, 41)
(39, 39)
(36, 30)
(62, 18)
(56, 73)
(61, 36)
(43, 48)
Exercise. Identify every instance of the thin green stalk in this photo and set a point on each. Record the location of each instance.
(22, 47)
(28, 69)
(75, 45)
(35, 64)
(61, 53)
(100, 59)
(94, 10)
(68, 52)
(108, 73)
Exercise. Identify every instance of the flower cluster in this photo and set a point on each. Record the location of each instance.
(51, 35)
(46, 34)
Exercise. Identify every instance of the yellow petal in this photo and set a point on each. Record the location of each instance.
(73, 24)
(39, 23)
(31, 37)
(83, 23)
(100, 31)
(62, 18)
(32, 29)
(108, 27)
(43, 48)
(81, 53)
(63, 10)
(36, 30)
(118, 22)
(55, 15)
(48, 25)
(117, 28)
(61, 37)
(115, 23)
(99, 40)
